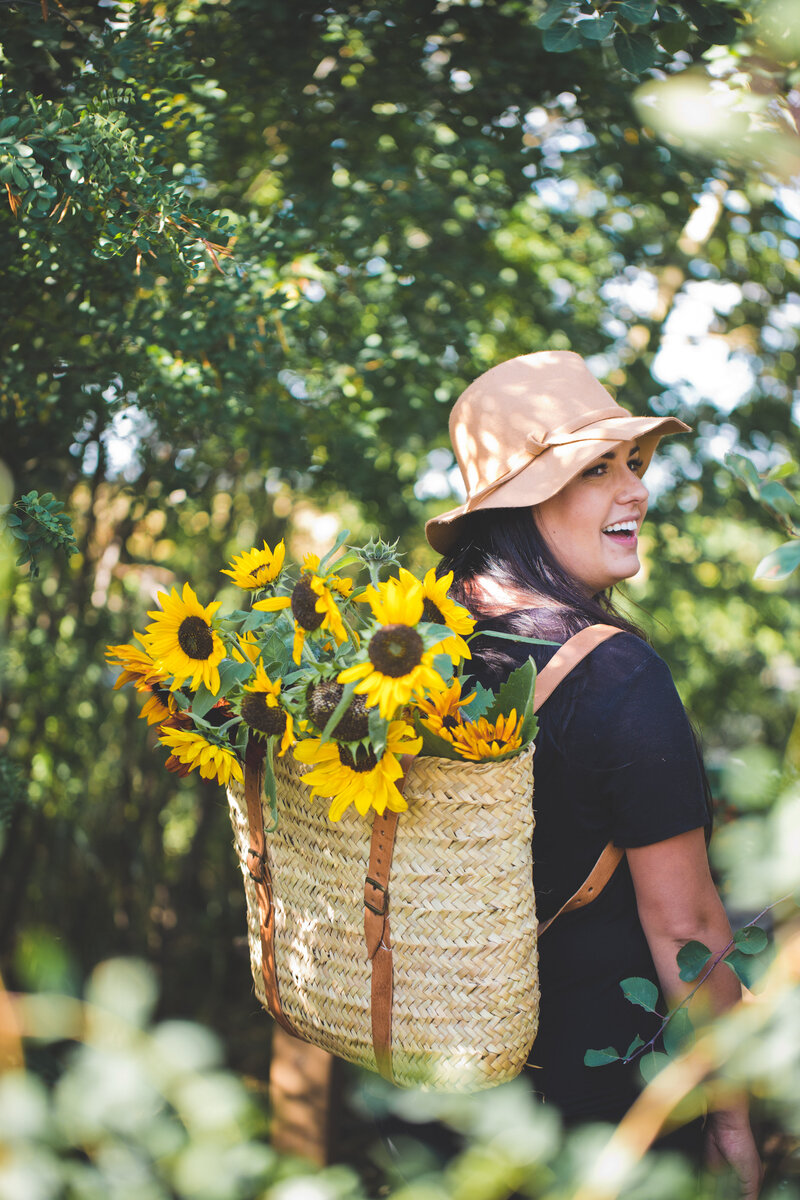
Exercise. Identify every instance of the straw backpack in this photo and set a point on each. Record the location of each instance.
(448, 998)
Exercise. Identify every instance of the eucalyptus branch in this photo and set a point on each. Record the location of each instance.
(714, 963)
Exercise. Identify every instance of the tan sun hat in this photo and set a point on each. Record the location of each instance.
(528, 426)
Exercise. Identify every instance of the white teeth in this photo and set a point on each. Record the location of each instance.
(621, 527)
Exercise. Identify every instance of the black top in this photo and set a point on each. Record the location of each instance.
(615, 759)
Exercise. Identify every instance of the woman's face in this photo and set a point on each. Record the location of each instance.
(592, 525)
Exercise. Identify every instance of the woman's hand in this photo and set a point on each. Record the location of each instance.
(730, 1142)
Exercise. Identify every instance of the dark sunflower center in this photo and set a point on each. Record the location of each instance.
(304, 605)
(363, 761)
(262, 716)
(395, 650)
(322, 700)
(450, 722)
(161, 694)
(194, 638)
(430, 612)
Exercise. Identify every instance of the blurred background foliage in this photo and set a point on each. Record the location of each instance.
(252, 252)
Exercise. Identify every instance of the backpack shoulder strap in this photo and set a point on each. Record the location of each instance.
(568, 656)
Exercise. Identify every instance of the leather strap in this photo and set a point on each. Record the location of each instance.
(591, 888)
(377, 930)
(259, 873)
(568, 656)
(563, 661)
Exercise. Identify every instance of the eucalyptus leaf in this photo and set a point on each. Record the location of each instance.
(780, 563)
(650, 1064)
(778, 497)
(640, 991)
(678, 1032)
(596, 28)
(600, 1058)
(636, 51)
(638, 12)
(561, 38)
(783, 470)
(691, 960)
(744, 470)
(635, 1045)
(744, 966)
(751, 940)
(554, 11)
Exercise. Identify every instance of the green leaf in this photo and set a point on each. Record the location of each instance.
(638, 12)
(636, 51)
(691, 960)
(780, 563)
(23, 150)
(678, 1032)
(8, 123)
(596, 28)
(203, 701)
(635, 1045)
(561, 38)
(479, 706)
(783, 470)
(745, 471)
(340, 541)
(231, 673)
(517, 693)
(674, 36)
(554, 11)
(640, 991)
(751, 940)
(600, 1058)
(667, 13)
(378, 729)
(13, 519)
(744, 966)
(778, 497)
(650, 1064)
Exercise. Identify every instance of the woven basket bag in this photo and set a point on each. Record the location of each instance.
(447, 998)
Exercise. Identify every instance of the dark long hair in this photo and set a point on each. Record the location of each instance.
(505, 545)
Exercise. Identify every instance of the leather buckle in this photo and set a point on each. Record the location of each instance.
(379, 912)
(262, 858)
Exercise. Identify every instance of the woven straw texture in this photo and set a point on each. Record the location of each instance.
(462, 912)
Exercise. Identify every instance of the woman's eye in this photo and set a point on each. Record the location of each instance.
(597, 469)
(635, 464)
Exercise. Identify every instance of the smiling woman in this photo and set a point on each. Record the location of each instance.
(555, 501)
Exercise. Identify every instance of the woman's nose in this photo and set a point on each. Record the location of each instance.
(632, 488)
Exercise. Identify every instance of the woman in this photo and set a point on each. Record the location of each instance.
(555, 501)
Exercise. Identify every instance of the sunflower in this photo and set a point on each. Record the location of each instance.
(256, 568)
(159, 705)
(399, 666)
(359, 777)
(196, 752)
(137, 664)
(262, 710)
(439, 608)
(441, 712)
(183, 642)
(249, 648)
(312, 603)
(483, 739)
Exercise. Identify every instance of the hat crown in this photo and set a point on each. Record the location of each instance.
(506, 417)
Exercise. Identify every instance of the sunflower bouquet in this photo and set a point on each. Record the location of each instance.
(350, 677)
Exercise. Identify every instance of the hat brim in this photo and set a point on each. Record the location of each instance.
(552, 470)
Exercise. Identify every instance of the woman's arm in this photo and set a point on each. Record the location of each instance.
(678, 903)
